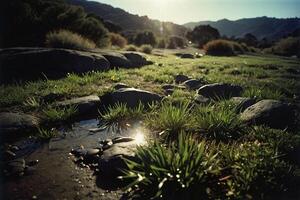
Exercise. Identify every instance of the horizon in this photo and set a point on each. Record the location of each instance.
(167, 10)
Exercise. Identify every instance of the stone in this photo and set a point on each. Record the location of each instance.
(16, 123)
(242, 103)
(16, 167)
(32, 63)
(112, 161)
(199, 99)
(116, 59)
(122, 139)
(87, 105)
(136, 59)
(181, 78)
(193, 84)
(220, 90)
(130, 96)
(187, 55)
(120, 86)
(272, 113)
(168, 86)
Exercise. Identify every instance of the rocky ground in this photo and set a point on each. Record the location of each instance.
(71, 165)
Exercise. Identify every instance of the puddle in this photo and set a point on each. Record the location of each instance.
(56, 176)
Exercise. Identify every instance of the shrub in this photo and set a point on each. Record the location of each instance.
(54, 114)
(219, 48)
(202, 34)
(177, 42)
(68, 40)
(131, 48)
(117, 40)
(161, 44)
(287, 47)
(237, 47)
(146, 37)
(146, 48)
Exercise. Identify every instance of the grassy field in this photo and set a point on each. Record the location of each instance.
(201, 152)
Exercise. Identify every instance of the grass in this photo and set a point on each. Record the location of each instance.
(263, 93)
(46, 134)
(57, 114)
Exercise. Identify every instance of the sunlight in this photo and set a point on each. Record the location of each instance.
(140, 138)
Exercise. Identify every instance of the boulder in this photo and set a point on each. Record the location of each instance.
(120, 85)
(87, 105)
(187, 55)
(220, 90)
(272, 113)
(181, 78)
(130, 96)
(193, 84)
(15, 123)
(116, 59)
(36, 63)
(199, 99)
(136, 59)
(242, 103)
(112, 159)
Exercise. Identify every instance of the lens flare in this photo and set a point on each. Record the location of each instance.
(140, 138)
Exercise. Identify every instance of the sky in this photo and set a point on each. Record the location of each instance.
(183, 11)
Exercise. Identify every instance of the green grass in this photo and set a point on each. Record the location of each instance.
(57, 114)
(46, 134)
(263, 93)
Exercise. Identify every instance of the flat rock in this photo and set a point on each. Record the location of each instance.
(242, 103)
(193, 84)
(116, 59)
(87, 105)
(272, 113)
(220, 90)
(11, 123)
(180, 78)
(31, 63)
(187, 55)
(136, 59)
(130, 96)
(112, 158)
(120, 85)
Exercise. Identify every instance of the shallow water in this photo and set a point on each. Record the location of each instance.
(56, 176)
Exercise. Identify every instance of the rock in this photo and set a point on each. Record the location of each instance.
(16, 167)
(130, 96)
(112, 159)
(187, 55)
(31, 63)
(201, 99)
(242, 103)
(8, 155)
(122, 139)
(51, 97)
(181, 78)
(120, 85)
(169, 91)
(136, 59)
(15, 123)
(220, 90)
(116, 59)
(193, 84)
(168, 86)
(87, 105)
(272, 113)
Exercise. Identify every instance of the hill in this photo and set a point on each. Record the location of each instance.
(261, 27)
(127, 21)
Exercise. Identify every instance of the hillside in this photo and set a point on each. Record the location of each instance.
(127, 21)
(271, 28)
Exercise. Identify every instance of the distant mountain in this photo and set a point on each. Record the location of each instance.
(127, 21)
(261, 27)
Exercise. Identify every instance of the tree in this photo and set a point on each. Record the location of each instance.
(203, 34)
(146, 37)
(250, 40)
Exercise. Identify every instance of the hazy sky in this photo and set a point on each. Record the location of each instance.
(182, 11)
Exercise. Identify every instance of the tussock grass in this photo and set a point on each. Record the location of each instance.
(263, 93)
(56, 114)
(46, 134)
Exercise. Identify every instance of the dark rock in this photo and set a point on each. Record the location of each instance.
(136, 59)
(168, 86)
(272, 113)
(87, 105)
(242, 103)
(187, 55)
(51, 97)
(201, 99)
(181, 78)
(220, 90)
(16, 167)
(16, 123)
(193, 84)
(130, 96)
(122, 139)
(169, 91)
(8, 155)
(27, 63)
(112, 159)
(116, 59)
(120, 85)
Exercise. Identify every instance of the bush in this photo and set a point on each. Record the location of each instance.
(146, 48)
(286, 47)
(68, 40)
(177, 42)
(237, 47)
(219, 48)
(131, 48)
(161, 44)
(203, 34)
(117, 40)
(146, 37)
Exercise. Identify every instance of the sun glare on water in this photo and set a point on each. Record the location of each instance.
(140, 138)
